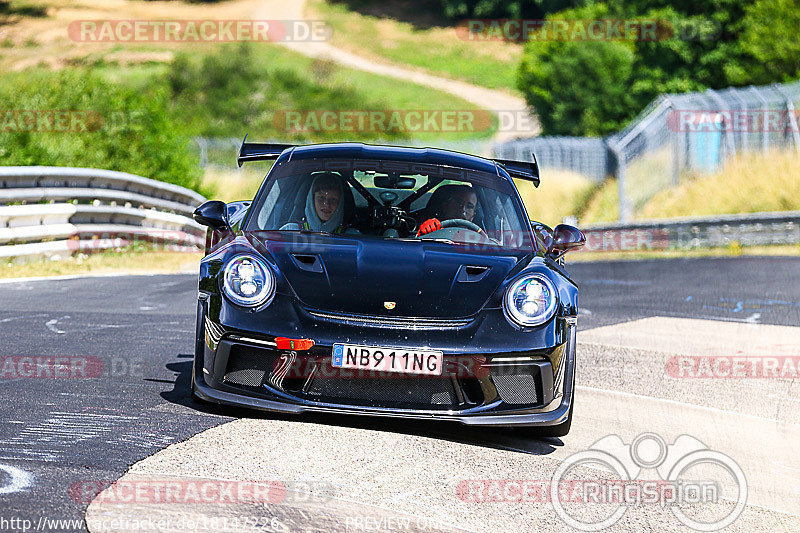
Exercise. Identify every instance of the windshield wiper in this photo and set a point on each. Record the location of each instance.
(446, 241)
(307, 231)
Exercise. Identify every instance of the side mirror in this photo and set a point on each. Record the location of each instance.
(213, 214)
(235, 213)
(565, 239)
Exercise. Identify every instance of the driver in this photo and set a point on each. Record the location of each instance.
(324, 209)
(446, 203)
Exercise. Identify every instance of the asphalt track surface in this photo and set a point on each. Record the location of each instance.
(136, 335)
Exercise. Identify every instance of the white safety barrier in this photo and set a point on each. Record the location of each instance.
(49, 211)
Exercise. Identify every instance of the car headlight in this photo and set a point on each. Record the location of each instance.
(247, 281)
(530, 300)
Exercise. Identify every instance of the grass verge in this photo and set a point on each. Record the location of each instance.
(748, 183)
(126, 262)
(602, 205)
(234, 185)
(562, 193)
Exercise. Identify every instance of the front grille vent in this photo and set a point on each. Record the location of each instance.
(516, 389)
(391, 321)
(249, 367)
(389, 391)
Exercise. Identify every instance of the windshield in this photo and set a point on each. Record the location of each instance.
(391, 199)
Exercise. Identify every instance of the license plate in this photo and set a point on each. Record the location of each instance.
(405, 360)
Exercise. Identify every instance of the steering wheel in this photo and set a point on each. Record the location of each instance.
(461, 223)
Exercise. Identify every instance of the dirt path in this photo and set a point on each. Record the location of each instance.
(499, 102)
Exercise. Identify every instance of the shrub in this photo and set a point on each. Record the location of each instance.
(127, 129)
(578, 88)
(234, 92)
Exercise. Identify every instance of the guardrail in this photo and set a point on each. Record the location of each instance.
(59, 211)
(90, 210)
(750, 229)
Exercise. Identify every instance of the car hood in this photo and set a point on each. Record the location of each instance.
(390, 277)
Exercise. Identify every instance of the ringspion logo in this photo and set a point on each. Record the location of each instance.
(688, 476)
(704, 489)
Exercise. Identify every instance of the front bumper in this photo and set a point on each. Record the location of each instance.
(474, 401)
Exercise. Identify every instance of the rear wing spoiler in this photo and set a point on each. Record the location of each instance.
(264, 151)
(260, 151)
(522, 169)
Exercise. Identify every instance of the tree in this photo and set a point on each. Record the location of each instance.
(578, 88)
(699, 44)
(770, 36)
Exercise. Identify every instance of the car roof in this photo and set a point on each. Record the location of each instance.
(431, 156)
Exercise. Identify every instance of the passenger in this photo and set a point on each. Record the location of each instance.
(324, 210)
(446, 203)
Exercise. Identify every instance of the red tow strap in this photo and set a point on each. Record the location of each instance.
(285, 343)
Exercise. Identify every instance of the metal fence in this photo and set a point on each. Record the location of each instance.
(676, 136)
(585, 155)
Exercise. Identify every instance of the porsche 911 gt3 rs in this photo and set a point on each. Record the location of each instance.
(387, 281)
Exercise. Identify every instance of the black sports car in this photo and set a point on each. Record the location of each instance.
(381, 280)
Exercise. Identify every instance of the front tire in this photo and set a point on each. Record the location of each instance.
(197, 361)
(195, 397)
